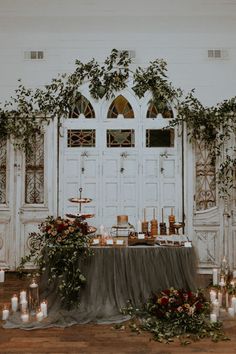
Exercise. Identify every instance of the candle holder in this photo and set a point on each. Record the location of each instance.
(33, 297)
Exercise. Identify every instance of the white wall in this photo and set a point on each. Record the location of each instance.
(180, 31)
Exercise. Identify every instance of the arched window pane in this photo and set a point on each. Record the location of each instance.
(82, 106)
(120, 105)
(153, 111)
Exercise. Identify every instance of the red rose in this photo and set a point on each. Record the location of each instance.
(164, 300)
(60, 227)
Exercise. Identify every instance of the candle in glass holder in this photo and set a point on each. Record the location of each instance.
(2, 276)
(33, 296)
(14, 303)
(5, 313)
(44, 308)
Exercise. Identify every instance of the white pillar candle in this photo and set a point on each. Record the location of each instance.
(213, 317)
(215, 276)
(222, 282)
(39, 316)
(231, 311)
(212, 295)
(2, 276)
(139, 226)
(44, 308)
(234, 273)
(25, 317)
(14, 303)
(5, 314)
(22, 296)
(233, 303)
(220, 298)
(102, 229)
(232, 284)
(24, 305)
(216, 308)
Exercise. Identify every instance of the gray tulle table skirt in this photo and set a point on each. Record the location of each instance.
(114, 276)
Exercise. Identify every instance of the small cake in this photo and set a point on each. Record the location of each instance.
(122, 220)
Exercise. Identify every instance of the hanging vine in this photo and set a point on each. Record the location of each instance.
(27, 112)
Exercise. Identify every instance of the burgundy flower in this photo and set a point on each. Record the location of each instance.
(164, 300)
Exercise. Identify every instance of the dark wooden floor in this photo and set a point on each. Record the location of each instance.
(91, 338)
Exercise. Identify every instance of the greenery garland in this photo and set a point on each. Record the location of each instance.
(27, 112)
(56, 252)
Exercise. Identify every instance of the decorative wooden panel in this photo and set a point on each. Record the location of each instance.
(206, 243)
(3, 170)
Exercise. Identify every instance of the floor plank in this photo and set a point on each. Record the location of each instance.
(96, 339)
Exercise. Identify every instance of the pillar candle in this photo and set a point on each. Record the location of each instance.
(234, 274)
(39, 316)
(215, 276)
(231, 311)
(213, 317)
(220, 298)
(233, 303)
(5, 314)
(44, 308)
(2, 276)
(212, 295)
(23, 305)
(14, 303)
(216, 307)
(25, 317)
(139, 226)
(22, 296)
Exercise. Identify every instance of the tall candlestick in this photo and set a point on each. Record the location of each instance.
(2, 276)
(220, 296)
(144, 214)
(162, 215)
(154, 216)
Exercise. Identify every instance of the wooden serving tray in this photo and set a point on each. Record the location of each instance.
(134, 241)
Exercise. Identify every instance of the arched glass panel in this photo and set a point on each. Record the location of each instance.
(153, 111)
(82, 106)
(120, 105)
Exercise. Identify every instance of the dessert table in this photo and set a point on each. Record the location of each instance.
(114, 276)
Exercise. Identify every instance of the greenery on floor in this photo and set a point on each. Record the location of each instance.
(175, 314)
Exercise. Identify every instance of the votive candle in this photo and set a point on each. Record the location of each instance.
(39, 315)
(25, 316)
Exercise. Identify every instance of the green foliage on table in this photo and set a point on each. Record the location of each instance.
(173, 314)
(56, 251)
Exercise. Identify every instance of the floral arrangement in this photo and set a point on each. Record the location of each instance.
(56, 249)
(175, 313)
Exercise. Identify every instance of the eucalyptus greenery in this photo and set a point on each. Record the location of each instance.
(56, 252)
(29, 110)
(174, 314)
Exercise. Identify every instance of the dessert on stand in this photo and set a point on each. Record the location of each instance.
(81, 217)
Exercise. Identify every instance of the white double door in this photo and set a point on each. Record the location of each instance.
(121, 181)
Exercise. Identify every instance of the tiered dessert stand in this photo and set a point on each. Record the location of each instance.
(81, 217)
